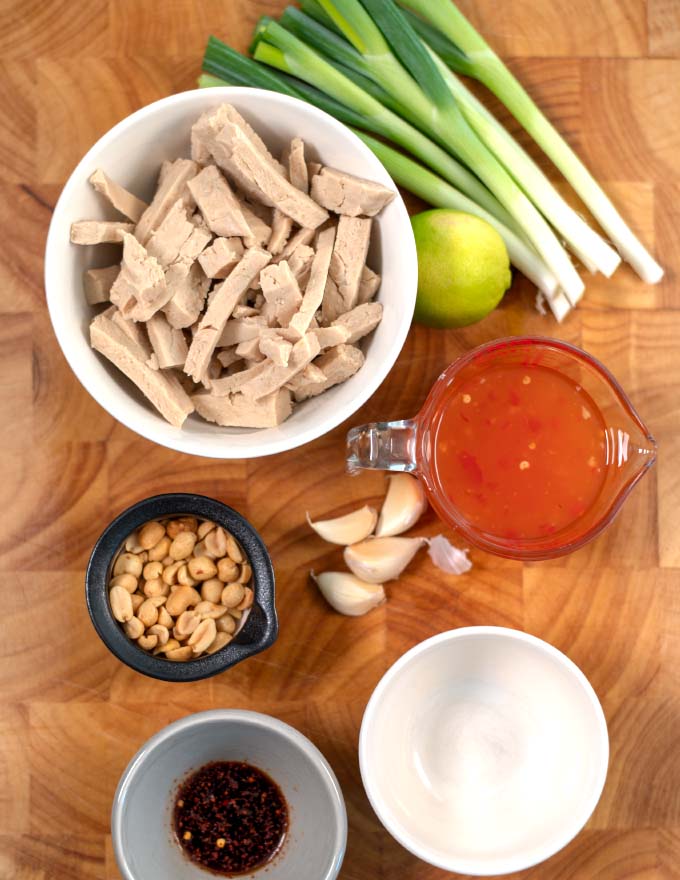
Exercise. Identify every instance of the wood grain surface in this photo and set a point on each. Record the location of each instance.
(608, 73)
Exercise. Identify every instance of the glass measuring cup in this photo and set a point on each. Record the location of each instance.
(527, 446)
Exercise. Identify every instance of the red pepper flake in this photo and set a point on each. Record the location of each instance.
(230, 817)
(471, 467)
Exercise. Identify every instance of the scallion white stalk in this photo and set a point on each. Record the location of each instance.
(590, 248)
(487, 67)
(435, 191)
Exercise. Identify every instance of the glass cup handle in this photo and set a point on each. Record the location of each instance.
(383, 446)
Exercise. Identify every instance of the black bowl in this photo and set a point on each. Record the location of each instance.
(260, 629)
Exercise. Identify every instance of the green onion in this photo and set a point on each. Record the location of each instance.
(488, 68)
(222, 61)
(438, 192)
(588, 246)
(592, 250)
(284, 51)
(405, 171)
(430, 99)
(338, 52)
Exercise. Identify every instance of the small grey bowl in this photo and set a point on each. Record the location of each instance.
(141, 818)
(260, 629)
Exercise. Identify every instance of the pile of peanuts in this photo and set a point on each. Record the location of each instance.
(180, 586)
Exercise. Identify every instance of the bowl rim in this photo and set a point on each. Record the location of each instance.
(496, 866)
(179, 504)
(336, 416)
(226, 716)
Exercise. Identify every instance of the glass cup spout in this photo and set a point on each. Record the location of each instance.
(580, 495)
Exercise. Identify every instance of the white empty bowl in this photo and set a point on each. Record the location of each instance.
(141, 818)
(131, 153)
(484, 750)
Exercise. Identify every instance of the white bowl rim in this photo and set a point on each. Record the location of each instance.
(55, 242)
(486, 867)
(222, 716)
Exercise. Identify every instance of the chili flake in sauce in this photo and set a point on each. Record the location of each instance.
(230, 817)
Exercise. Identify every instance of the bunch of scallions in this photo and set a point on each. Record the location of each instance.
(393, 69)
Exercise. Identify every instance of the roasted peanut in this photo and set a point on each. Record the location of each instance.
(203, 636)
(170, 645)
(182, 524)
(217, 543)
(148, 613)
(164, 619)
(181, 599)
(121, 604)
(169, 575)
(211, 590)
(182, 546)
(247, 600)
(128, 563)
(150, 534)
(226, 624)
(134, 628)
(205, 527)
(184, 652)
(233, 549)
(160, 551)
(184, 577)
(132, 544)
(148, 642)
(187, 622)
(155, 587)
(210, 609)
(129, 581)
(202, 568)
(199, 550)
(220, 641)
(161, 632)
(232, 595)
(227, 570)
(152, 570)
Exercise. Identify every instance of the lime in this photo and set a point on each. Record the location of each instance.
(463, 268)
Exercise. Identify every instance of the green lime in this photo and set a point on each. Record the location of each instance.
(463, 268)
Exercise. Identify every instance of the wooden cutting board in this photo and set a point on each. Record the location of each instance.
(608, 73)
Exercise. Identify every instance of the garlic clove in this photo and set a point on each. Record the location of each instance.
(381, 559)
(348, 594)
(348, 529)
(403, 506)
(447, 557)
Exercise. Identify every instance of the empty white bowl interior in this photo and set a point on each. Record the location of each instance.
(142, 815)
(131, 153)
(484, 752)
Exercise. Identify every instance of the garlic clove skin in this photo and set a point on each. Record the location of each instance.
(403, 506)
(381, 559)
(348, 594)
(446, 557)
(348, 529)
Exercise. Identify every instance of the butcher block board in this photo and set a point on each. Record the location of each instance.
(608, 73)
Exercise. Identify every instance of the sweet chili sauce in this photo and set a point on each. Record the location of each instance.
(519, 450)
(230, 817)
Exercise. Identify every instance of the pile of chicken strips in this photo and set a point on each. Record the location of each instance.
(243, 287)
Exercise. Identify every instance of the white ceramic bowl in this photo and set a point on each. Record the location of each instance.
(484, 750)
(141, 818)
(131, 153)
